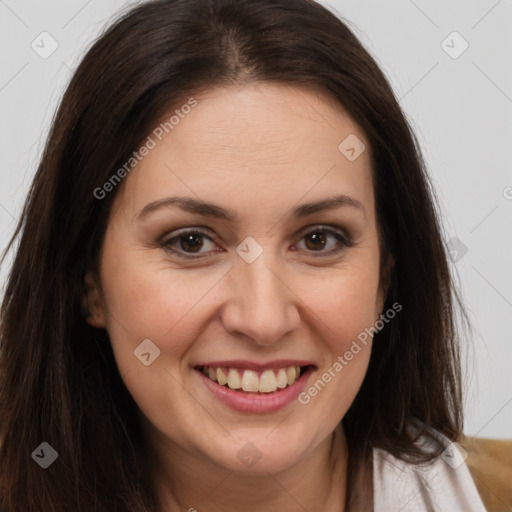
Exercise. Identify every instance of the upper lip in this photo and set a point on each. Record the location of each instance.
(253, 365)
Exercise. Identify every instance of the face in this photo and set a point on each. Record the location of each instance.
(242, 275)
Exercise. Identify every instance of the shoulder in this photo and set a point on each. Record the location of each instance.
(443, 484)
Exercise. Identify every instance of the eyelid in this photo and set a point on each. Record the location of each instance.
(325, 227)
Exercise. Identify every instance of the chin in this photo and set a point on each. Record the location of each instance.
(261, 451)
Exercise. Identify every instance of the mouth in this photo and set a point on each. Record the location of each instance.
(258, 389)
(254, 381)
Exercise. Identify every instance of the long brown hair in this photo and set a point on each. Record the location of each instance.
(58, 379)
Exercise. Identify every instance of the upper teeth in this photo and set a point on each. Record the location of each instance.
(248, 380)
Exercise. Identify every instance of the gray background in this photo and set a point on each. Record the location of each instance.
(460, 108)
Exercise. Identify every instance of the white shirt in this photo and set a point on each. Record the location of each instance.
(444, 486)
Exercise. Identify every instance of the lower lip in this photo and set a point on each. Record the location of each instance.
(257, 402)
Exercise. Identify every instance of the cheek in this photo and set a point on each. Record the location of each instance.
(345, 310)
(346, 303)
(166, 306)
(146, 301)
(344, 317)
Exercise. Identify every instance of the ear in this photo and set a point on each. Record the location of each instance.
(92, 303)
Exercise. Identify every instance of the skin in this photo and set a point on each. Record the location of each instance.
(261, 150)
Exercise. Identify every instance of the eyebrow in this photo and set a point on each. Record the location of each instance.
(198, 207)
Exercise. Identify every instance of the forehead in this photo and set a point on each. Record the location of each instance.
(266, 144)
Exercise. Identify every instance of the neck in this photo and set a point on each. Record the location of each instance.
(316, 482)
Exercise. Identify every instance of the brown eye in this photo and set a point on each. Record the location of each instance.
(318, 239)
(191, 242)
(187, 242)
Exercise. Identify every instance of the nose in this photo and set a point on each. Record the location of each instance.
(261, 305)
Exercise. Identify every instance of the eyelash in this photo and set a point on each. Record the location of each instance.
(344, 241)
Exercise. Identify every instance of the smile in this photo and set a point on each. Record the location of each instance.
(257, 389)
(251, 381)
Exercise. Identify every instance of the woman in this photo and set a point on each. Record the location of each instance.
(231, 290)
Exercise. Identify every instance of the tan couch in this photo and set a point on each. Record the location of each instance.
(490, 465)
